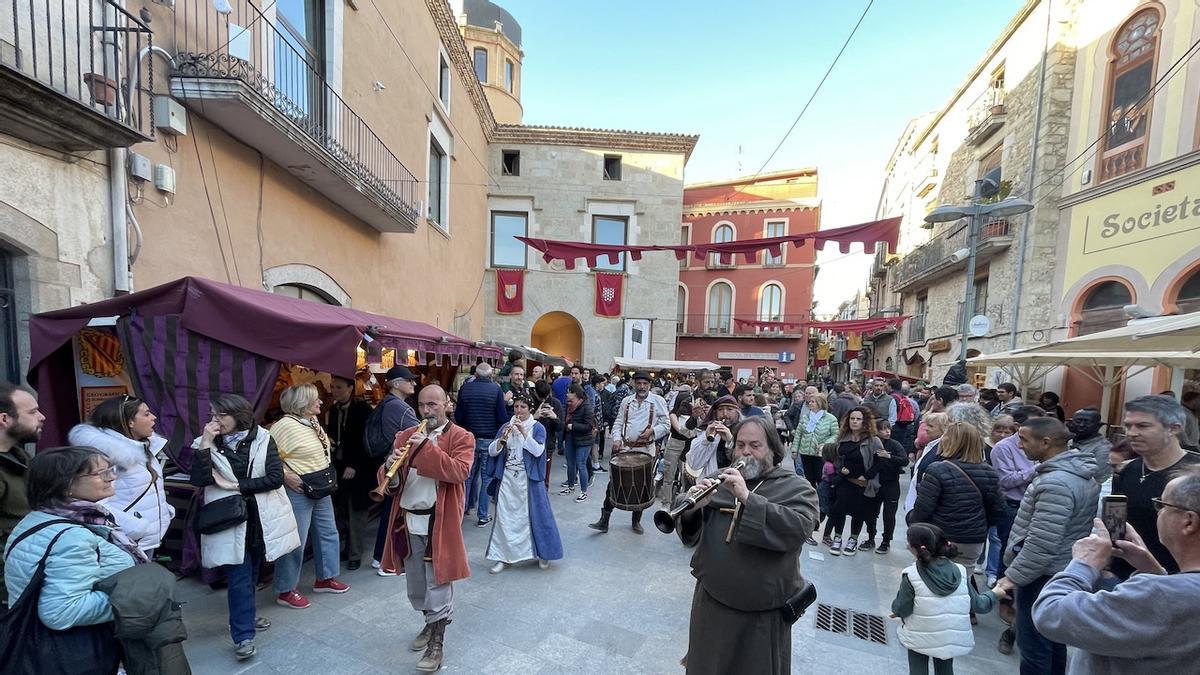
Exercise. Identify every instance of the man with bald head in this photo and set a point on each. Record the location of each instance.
(424, 526)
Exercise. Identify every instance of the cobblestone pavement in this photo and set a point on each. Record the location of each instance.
(617, 603)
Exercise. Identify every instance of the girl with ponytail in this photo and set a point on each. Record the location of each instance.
(935, 602)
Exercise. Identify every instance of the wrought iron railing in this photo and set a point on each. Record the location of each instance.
(85, 50)
(916, 328)
(989, 103)
(938, 249)
(245, 45)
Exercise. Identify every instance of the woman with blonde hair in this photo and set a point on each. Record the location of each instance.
(960, 492)
(934, 425)
(817, 426)
(309, 477)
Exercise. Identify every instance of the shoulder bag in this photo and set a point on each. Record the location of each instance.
(29, 647)
(317, 484)
(224, 513)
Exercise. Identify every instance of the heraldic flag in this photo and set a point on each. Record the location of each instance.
(510, 291)
(608, 293)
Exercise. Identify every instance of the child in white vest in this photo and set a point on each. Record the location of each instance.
(935, 602)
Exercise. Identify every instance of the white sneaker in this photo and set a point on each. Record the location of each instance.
(544, 564)
(374, 564)
(498, 568)
(979, 568)
(385, 572)
(851, 547)
(991, 580)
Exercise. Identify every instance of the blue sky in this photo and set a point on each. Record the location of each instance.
(739, 74)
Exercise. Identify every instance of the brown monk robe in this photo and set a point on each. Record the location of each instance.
(737, 625)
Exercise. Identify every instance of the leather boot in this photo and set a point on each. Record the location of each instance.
(601, 524)
(637, 522)
(431, 661)
(422, 639)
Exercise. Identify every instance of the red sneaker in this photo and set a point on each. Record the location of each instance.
(292, 599)
(329, 586)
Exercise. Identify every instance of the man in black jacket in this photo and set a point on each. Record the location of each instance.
(346, 423)
(888, 465)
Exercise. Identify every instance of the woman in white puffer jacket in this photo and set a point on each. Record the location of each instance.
(122, 428)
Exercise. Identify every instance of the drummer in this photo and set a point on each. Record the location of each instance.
(641, 422)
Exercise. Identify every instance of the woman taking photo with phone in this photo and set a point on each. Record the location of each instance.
(122, 428)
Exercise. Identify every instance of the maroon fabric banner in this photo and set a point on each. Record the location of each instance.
(867, 234)
(608, 293)
(510, 291)
(770, 325)
(844, 326)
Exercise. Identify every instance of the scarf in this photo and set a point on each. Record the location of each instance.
(572, 407)
(868, 453)
(810, 423)
(91, 513)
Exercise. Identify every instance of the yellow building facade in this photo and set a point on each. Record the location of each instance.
(1130, 212)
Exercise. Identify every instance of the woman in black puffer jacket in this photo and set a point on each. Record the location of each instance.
(960, 493)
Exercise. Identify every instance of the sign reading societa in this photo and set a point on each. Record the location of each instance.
(1124, 228)
(1159, 207)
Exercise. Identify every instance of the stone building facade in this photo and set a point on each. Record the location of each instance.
(987, 130)
(561, 191)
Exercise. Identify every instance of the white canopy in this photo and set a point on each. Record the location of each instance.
(1182, 332)
(653, 364)
(1159, 334)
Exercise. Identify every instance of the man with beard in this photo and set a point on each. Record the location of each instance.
(1085, 426)
(711, 449)
(748, 534)
(20, 423)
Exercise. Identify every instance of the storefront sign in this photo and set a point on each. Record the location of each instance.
(749, 356)
(936, 346)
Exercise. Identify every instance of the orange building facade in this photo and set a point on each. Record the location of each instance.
(714, 296)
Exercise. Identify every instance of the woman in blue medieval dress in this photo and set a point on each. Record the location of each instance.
(524, 528)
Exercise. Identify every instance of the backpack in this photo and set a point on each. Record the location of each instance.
(904, 408)
(377, 443)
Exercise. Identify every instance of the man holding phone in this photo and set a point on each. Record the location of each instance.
(1147, 624)
(1057, 509)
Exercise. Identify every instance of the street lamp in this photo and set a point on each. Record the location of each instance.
(976, 211)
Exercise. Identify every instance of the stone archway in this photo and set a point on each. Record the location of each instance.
(559, 334)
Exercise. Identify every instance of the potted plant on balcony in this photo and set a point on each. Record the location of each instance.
(104, 88)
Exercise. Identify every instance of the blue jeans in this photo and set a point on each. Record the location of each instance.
(242, 580)
(577, 463)
(315, 515)
(1003, 529)
(477, 480)
(993, 552)
(1039, 656)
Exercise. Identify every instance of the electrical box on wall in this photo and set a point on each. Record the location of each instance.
(164, 178)
(169, 116)
(139, 167)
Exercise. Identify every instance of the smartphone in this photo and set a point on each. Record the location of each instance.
(1113, 512)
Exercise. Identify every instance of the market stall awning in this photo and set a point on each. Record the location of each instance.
(1158, 334)
(318, 336)
(1179, 332)
(888, 375)
(531, 352)
(655, 364)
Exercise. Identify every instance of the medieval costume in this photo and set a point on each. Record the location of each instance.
(524, 527)
(743, 585)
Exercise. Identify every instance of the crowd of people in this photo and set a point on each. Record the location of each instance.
(1005, 507)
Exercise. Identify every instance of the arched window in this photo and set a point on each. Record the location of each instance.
(1188, 299)
(1104, 307)
(304, 293)
(770, 302)
(1131, 71)
(681, 310)
(720, 307)
(721, 234)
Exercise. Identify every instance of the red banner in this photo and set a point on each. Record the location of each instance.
(510, 291)
(608, 293)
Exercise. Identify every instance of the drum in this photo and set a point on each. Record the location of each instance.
(631, 481)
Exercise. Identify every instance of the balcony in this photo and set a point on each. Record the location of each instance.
(879, 268)
(985, 115)
(934, 260)
(68, 75)
(247, 77)
(916, 328)
(702, 325)
(1123, 160)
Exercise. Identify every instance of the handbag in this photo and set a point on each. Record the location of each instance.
(29, 647)
(221, 514)
(322, 483)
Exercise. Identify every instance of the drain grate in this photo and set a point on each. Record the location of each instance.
(861, 625)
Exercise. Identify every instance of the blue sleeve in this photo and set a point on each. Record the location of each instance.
(460, 410)
(67, 597)
(501, 409)
(892, 411)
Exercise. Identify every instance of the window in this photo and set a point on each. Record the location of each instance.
(770, 303)
(300, 55)
(720, 307)
(439, 173)
(1132, 57)
(480, 56)
(9, 361)
(443, 81)
(506, 250)
(721, 234)
(1107, 295)
(1188, 298)
(612, 167)
(981, 294)
(916, 323)
(774, 229)
(685, 238)
(510, 163)
(609, 230)
(989, 167)
(509, 72)
(302, 292)
(681, 310)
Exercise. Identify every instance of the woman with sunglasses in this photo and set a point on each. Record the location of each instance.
(69, 525)
(122, 428)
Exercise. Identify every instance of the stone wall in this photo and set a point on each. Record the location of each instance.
(561, 187)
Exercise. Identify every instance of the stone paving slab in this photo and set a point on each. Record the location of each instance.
(618, 603)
